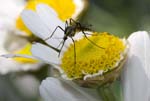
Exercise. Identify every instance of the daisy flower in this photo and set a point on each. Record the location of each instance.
(114, 49)
(136, 72)
(7, 27)
(23, 35)
(84, 73)
(75, 6)
(94, 66)
(135, 77)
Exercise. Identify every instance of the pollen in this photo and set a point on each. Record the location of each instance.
(24, 51)
(90, 59)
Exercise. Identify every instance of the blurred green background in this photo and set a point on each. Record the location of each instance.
(119, 17)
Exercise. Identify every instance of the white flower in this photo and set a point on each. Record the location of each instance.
(135, 78)
(53, 89)
(8, 15)
(80, 5)
(136, 73)
(39, 23)
(10, 65)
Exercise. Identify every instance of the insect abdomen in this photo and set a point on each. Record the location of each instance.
(84, 29)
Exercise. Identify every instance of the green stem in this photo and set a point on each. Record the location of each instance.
(111, 92)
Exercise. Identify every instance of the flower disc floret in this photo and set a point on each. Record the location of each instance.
(90, 59)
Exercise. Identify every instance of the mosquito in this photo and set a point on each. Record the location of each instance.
(71, 28)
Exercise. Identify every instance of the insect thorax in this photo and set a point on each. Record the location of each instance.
(70, 31)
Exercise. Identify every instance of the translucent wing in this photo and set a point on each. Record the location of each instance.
(33, 22)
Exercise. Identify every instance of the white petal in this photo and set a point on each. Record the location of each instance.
(26, 88)
(15, 7)
(45, 53)
(80, 35)
(53, 89)
(35, 24)
(9, 65)
(135, 78)
(80, 7)
(16, 55)
(51, 20)
(48, 9)
(33, 21)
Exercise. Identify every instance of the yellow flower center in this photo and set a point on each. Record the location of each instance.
(25, 51)
(90, 59)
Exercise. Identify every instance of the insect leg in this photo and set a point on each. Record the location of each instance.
(91, 40)
(91, 34)
(63, 42)
(74, 52)
(60, 43)
(66, 24)
(87, 37)
(71, 20)
(54, 32)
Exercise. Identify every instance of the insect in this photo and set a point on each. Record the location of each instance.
(71, 28)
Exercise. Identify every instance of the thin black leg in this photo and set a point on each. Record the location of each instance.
(60, 43)
(61, 47)
(66, 24)
(74, 52)
(71, 20)
(54, 32)
(91, 40)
